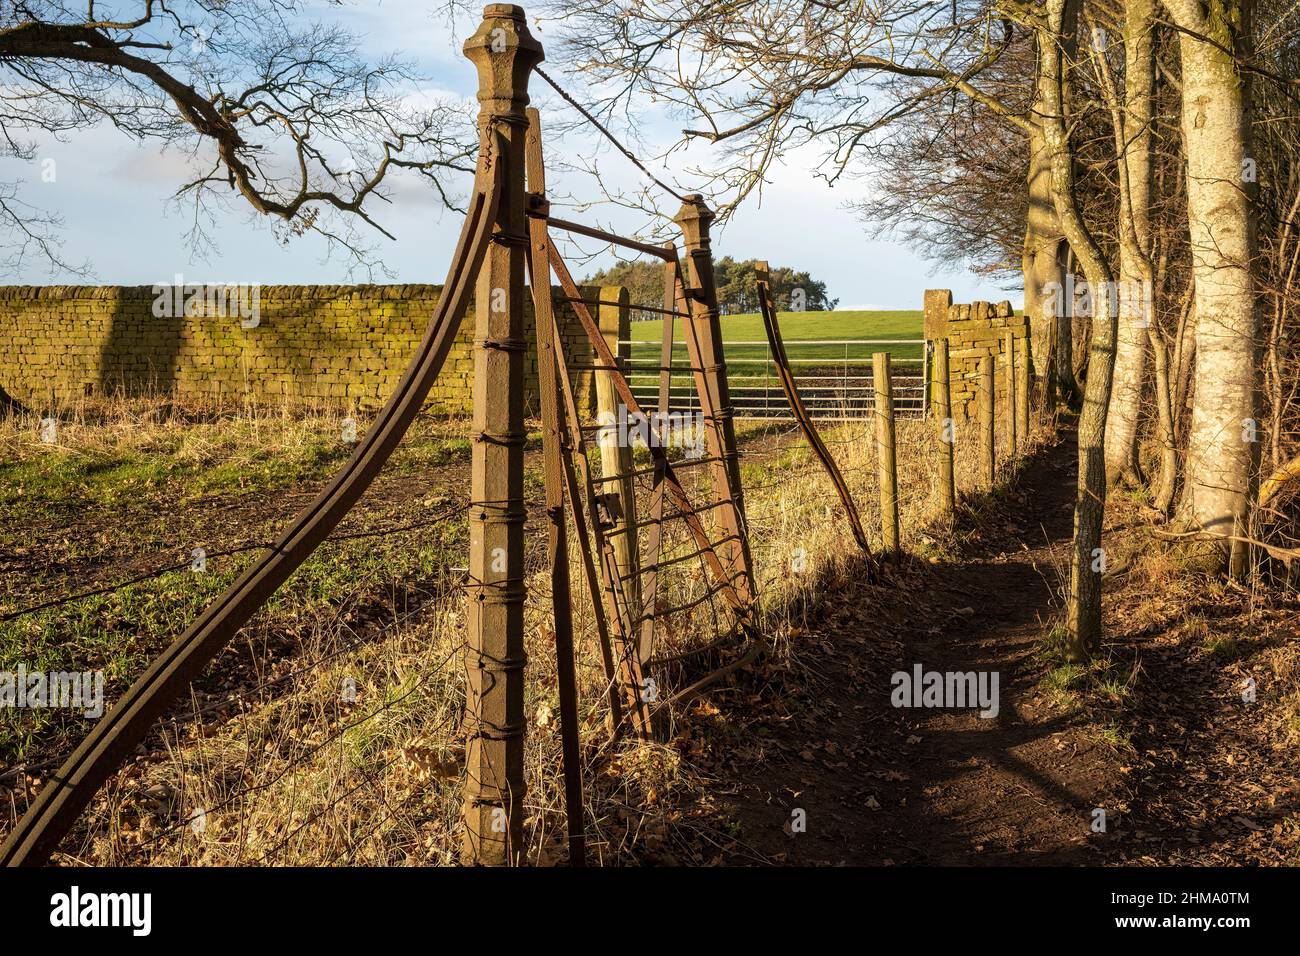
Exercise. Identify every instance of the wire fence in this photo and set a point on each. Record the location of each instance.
(833, 376)
(341, 805)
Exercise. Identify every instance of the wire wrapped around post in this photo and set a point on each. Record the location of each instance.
(504, 53)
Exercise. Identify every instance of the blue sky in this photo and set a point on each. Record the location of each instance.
(114, 199)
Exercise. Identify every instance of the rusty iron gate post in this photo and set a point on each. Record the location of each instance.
(704, 338)
(71, 788)
(504, 53)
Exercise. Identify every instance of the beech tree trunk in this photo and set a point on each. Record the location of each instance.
(1041, 264)
(1133, 134)
(1087, 561)
(1222, 439)
(1049, 309)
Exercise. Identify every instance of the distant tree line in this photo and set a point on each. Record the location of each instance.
(793, 291)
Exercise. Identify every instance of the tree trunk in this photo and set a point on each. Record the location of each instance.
(1044, 275)
(1048, 306)
(1133, 135)
(1162, 492)
(1064, 379)
(1222, 439)
(1087, 561)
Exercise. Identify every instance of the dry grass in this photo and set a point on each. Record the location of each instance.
(277, 761)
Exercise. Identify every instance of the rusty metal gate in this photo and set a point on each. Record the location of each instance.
(506, 233)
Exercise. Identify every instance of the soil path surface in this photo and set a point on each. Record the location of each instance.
(880, 784)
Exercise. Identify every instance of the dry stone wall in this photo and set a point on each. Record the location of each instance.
(318, 346)
(973, 331)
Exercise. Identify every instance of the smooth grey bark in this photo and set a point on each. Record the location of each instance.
(1041, 264)
(1223, 439)
(1083, 613)
(1132, 122)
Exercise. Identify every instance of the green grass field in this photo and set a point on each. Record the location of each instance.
(795, 328)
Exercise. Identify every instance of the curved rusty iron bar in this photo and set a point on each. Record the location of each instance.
(786, 376)
(70, 790)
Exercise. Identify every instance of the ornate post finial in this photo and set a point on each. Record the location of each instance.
(504, 53)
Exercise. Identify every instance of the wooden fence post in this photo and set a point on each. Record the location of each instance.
(504, 53)
(1010, 440)
(947, 431)
(988, 450)
(1022, 385)
(616, 452)
(886, 454)
(704, 342)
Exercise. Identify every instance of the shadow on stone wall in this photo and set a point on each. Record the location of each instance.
(10, 405)
(139, 351)
(314, 345)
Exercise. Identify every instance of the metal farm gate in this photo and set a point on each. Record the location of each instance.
(663, 549)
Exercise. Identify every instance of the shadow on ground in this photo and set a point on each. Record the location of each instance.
(878, 784)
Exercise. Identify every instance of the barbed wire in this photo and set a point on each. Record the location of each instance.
(301, 758)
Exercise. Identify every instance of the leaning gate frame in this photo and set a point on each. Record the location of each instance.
(506, 232)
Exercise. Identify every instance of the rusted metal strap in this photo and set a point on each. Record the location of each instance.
(786, 376)
(662, 519)
(646, 369)
(627, 663)
(633, 307)
(689, 605)
(680, 559)
(557, 541)
(594, 233)
(642, 472)
(713, 645)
